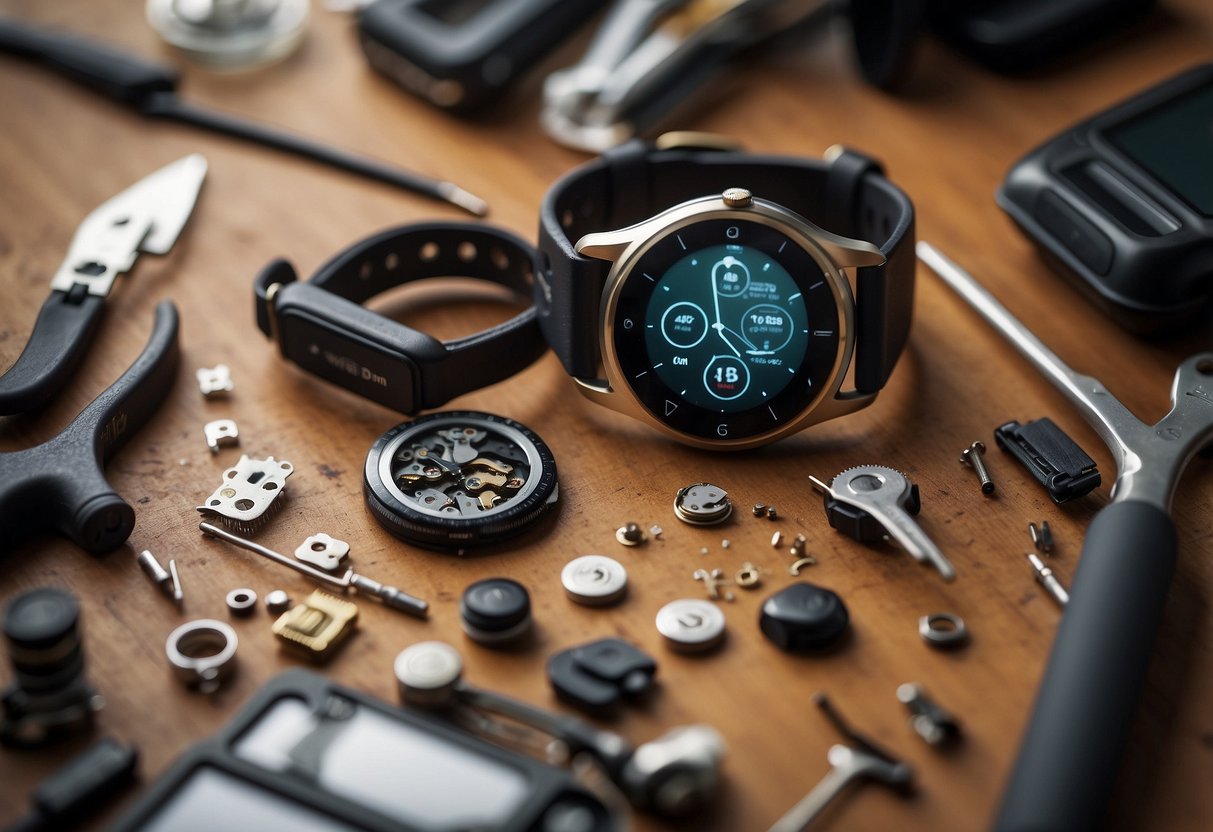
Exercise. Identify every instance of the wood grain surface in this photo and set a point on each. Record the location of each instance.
(948, 141)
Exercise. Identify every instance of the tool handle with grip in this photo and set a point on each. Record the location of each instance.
(64, 327)
(1068, 761)
(110, 72)
(61, 483)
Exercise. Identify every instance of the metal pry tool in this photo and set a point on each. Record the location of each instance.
(146, 217)
(1070, 753)
(875, 502)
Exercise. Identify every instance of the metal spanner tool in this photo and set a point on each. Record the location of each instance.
(874, 502)
(648, 55)
(1066, 765)
(862, 760)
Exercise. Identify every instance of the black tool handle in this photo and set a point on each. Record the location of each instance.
(64, 328)
(60, 484)
(110, 72)
(1067, 764)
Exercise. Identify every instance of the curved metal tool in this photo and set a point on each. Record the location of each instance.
(1066, 765)
(146, 217)
(60, 485)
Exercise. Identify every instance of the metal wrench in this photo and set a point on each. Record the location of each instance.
(1064, 772)
(849, 764)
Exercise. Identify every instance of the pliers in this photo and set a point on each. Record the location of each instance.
(61, 484)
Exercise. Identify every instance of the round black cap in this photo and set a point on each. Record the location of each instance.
(803, 617)
(41, 618)
(495, 604)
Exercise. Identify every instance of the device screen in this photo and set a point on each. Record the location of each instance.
(393, 767)
(1174, 143)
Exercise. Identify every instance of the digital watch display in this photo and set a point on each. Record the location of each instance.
(738, 299)
(718, 342)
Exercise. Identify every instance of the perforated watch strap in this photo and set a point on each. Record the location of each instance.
(848, 195)
(425, 373)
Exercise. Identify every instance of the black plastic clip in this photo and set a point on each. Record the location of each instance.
(1051, 456)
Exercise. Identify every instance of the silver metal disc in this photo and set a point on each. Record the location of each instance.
(691, 624)
(594, 580)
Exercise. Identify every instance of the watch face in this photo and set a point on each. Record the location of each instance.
(726, 329)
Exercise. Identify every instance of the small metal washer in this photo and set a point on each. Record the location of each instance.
(691, 625)
(242, 602)
(277, 601)
(952, 634)
(702, 504)
(594, 580)
(202, 652)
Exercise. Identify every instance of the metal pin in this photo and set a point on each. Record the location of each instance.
(389, 595)
(798, 546)
(972, 456)
(1046, 578)
(776, 540)
(1042, 537)
(928, 719)
(159, 575)
(178, 592)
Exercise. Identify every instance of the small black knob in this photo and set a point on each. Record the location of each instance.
(804, 617)
(496, 611)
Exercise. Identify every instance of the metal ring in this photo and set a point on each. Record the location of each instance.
(954, 633)
(242, 601)
(202, 652)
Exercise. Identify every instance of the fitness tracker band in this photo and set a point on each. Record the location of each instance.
(322, 326)
(720, 310)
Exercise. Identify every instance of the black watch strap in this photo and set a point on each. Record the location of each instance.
(848, 195)
(322, 326)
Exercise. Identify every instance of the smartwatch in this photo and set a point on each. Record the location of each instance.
(322, 326)
(727, 299)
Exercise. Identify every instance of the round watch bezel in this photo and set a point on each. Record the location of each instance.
(629, 267)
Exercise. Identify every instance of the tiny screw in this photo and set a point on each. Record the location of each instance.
(972, 456)
(759, 509)
(771, 513)
(630, 534)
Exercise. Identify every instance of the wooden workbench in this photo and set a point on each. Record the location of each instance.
(947, 141)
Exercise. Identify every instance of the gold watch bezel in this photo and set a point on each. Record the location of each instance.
(831, 252)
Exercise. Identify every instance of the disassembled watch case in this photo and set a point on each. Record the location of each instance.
(654, 246)
(460, 478)
(248, 491)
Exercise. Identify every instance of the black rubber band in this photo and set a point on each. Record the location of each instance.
(848, 195)
(322, 326)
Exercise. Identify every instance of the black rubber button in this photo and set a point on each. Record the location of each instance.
(41, 618)
(804, 617)
(495, 604)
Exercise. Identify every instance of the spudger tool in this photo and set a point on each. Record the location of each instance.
(1066, 766)
(151, 89)
(146, 217)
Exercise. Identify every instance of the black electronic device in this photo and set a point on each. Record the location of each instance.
(1015, 36)
(460, 54)
(1122, 203)
(306, 754)
(720, 309)
(322, 326)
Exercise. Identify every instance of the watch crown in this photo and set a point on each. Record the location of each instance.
(737, 197)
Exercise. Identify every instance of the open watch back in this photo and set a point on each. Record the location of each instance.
(459, 479)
